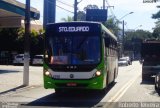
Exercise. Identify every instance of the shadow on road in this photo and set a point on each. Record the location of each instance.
(79, 98)
(8, 71)
(13, 89)
(150, 81)
(153, 90)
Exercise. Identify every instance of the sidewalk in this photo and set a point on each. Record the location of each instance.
(11, 84)
(12, 77)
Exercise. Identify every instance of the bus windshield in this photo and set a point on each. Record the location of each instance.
(74, 50)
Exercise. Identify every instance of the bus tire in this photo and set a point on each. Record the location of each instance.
(145, 77)
(58, 91)
(157, 83)
(103, 91)
(114, 77)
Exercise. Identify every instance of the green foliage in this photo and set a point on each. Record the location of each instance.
(41, 31)
(12, 39)
(133, 39)
(68, 19)
(81, 16)
(156, 15)
(34, 33)
(157, 24)
(21, 32)
(139, 34)
(156, 33)
(8, 38)
(90, 7)
(112, 25)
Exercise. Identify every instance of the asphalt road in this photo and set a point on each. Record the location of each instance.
(127, 90)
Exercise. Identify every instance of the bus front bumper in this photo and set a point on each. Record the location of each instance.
(96, 83)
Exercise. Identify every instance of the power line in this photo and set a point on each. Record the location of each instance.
(79, 1)
(126, 26)
(65, 9)
(65, 4)
(110, 9)
(62, 8)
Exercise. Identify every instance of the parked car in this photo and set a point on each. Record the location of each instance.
(128, 59)
(37, 60)
(122, 62)
(18, 59)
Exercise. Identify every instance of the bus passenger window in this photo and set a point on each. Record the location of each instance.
(107, 42)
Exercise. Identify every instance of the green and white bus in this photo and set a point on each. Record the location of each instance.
(79, 55)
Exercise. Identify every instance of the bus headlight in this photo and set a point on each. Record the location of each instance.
(98, 73)
(47, 73)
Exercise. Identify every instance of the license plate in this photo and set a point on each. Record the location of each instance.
(72, 84)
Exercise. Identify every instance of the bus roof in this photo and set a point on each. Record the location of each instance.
(75, 22)
(109, 32)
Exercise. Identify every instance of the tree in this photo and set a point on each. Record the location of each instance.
(90, 7)
(156, 33)
(140, 34)
(133, 40)
(112, 25)
(81, 16)
(68, 19)
(156, 16)
(8, 39)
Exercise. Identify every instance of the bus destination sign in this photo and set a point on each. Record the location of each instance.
(74, 29)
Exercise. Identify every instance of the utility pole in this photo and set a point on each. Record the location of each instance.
(26, 44)
(49, 12)
(75, 10)
(123, 31)
(103, 4)
(122, 37)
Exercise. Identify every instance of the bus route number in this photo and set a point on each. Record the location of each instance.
(56, 76)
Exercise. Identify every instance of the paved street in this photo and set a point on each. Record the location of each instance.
(127, 88)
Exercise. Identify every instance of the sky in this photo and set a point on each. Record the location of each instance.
(141, 16)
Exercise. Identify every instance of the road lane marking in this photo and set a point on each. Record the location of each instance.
(121, 92)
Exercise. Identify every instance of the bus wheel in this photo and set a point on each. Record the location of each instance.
(145, 77)
(58, 91)
(103, 91)
(157, 83)
(114, 77)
